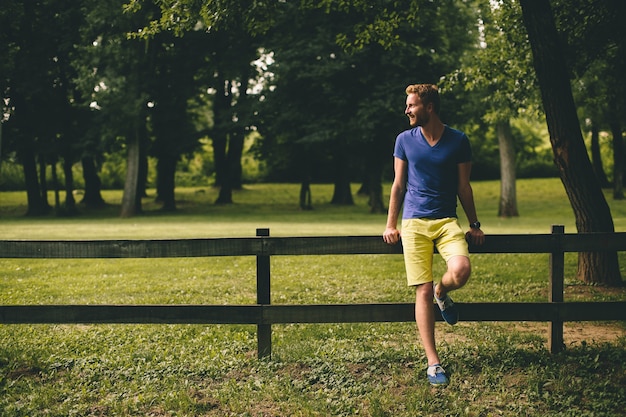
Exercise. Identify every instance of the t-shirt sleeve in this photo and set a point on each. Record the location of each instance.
(398, 150)
(465, 150)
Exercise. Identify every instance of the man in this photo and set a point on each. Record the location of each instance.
(432, 164)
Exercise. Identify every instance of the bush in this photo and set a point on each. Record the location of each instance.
(11, 177)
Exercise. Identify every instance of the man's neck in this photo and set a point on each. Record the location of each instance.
(433, 131)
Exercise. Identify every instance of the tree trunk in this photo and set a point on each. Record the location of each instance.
(238, 133)
(55, 185)
(131, 200)
(225, 195)
(618, 161)
(372, 185)
(222, 171)
(591, 210)
(222, 115)
(36, 205)
(219, 137)
(364, 189)
(166, 173)
(142, 175)
(43, 182)
(376, 198)
(508, 193)
(305, 195)
(93, 196)
(305, 199)
(70, 202)
(375, 188)
(235, 153)
(342, 194)
(596, 158)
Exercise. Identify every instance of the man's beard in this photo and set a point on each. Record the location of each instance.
(419, 120)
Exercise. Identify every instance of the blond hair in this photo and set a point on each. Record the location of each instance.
(428, 93)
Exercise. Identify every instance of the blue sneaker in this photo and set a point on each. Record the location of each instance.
(449, 311)
(437, 376)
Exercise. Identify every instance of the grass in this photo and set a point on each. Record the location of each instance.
(316, 369)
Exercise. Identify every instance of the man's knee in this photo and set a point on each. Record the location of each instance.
(459, 269)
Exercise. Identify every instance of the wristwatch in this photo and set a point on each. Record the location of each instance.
(475, 225)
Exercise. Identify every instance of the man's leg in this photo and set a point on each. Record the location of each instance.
(459, 270)
(425, 319)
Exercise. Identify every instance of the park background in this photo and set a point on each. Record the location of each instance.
(208, 119)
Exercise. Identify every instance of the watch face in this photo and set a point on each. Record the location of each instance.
(475, 225)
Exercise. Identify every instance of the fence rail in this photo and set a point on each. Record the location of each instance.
(264, 314)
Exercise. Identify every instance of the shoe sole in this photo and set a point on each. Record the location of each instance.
(450, 322)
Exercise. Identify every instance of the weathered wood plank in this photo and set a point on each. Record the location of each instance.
(170, 314)
(130, 248)
(314, 313)
(316, 245)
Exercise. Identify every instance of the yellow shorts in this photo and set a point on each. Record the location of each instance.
(419, 239)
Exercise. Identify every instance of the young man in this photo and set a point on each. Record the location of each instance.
(432, 164)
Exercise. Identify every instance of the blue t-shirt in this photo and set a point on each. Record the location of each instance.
(432, 177)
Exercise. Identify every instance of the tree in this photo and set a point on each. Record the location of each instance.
(37, 86)
(313, 94)
(408, 43)
(234, 51)
(508, 194)
(585, 194)
(590, 93)
(498, 74)
(231, 27)
(115, 75)
(596, 53)
(353, 94)
(175, 64)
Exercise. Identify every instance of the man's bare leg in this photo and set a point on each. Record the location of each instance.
(459, 270)
(425, 319)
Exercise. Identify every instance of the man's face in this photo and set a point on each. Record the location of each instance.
(415, 110)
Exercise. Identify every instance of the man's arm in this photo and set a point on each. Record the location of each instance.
(466, 196)
(396, 197)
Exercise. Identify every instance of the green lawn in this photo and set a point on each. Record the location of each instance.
(315, 370)
(541, 203)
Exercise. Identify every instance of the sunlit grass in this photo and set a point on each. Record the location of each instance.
(541, 203)
(373, 369)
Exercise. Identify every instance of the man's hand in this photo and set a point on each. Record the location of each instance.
(391, 236)
(475, 237)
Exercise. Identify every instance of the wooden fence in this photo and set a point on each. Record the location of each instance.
(264, 314)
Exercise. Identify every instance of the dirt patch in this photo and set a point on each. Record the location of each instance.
(576, 333)
(585, 292)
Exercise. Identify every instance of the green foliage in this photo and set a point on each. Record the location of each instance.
(113, 171)
(193, 170)
(497, 73)
(534, 158)
(335, 110)
(11, 176)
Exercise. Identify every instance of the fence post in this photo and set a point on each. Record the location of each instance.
(557, 267)
(264, 331)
